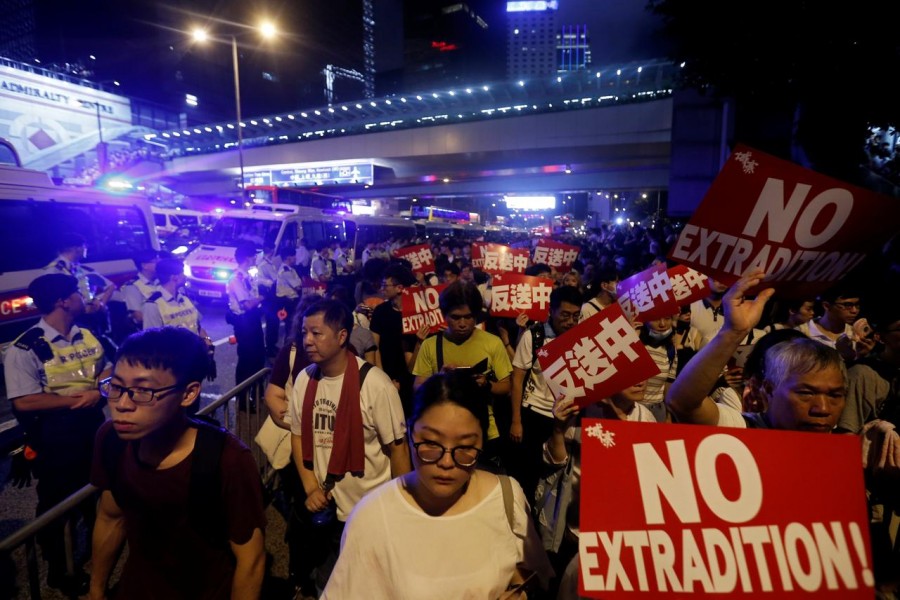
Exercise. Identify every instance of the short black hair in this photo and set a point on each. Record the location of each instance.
(243, 252)
(173, 349)
(461, 293)
(537, 269)
(450, 266)
(335, 314)
(565, 293)
(399, 274)
(454, 388)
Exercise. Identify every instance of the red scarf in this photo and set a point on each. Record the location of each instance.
(348, 448)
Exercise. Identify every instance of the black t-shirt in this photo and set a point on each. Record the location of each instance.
(388, 324)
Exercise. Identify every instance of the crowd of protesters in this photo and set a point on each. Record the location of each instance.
(419, 462)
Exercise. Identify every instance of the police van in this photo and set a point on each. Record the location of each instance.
(209, 266)
(34, 213)
(172, 220)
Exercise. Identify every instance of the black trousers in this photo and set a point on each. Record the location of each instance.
(251, 347)
(527, 457)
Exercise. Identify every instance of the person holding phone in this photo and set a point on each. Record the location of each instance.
(463, 344)
(448, 529)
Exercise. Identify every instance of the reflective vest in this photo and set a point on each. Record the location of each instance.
(181, 314)
(146, 289)
(68, 369)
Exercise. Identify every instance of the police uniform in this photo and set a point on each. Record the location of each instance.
(137, 291)
(163, 309)
(42, 360)
(251, 349)
(97, 321)
(266, 274)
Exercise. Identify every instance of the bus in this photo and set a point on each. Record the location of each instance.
(272, 194)
(441, 215)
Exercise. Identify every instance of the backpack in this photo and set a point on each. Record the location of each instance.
(206, 506)
(537, 341)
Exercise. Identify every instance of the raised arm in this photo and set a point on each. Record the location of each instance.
(688, 396)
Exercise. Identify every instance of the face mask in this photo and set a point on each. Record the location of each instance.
(659, 335)
(610, 290)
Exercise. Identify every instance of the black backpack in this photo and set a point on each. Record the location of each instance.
(206, 507)
(537, 341)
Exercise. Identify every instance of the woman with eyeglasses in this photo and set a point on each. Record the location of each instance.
(442, 530)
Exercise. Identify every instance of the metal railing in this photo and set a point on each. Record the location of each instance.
(241, 410)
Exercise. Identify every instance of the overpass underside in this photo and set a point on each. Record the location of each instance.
(623, 146)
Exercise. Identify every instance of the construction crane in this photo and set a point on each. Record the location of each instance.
(332, 72)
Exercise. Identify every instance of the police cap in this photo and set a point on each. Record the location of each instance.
(47, 289)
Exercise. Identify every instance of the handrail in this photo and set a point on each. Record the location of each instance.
(25, 533)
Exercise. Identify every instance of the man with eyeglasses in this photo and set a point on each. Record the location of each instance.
(51, 374)
(151, 461)
(463, 345)
(532, 401)
(835, 328)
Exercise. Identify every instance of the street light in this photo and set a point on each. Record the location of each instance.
(268, 31)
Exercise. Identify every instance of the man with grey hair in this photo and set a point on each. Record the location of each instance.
(804, 386)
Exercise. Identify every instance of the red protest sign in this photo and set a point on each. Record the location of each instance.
(497, 258)
(513, 294)
(478, 253)
(804, 229)
(679, 510)
(648, 295)
(420, 306)
(688, 285)
(555, 254)
(597, 358)
(419, 257)
(308, 286)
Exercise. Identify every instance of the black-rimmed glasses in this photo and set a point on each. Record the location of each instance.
(432, 452)
(139, 395)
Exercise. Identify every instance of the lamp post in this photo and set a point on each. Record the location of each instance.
(200, 35)
(237, 110)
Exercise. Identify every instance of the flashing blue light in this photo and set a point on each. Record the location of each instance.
(222, 274)
(619, 220)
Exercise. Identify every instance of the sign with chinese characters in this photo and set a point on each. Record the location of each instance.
(805, 230)
(678, 511)
(419, 257)
(597, 358)
(497, 258)
(311, 286)
(688, 285)
(512, 295)
(420, 306)
(555, 254)
(648, 295)
(310, 174)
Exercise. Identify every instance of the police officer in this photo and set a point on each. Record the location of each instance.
(169, 306)
(288, 287)
(266, 274)
(73, 250)
(137, 290)
(52, 373)
(245, 316)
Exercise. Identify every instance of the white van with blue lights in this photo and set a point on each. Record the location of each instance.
(209, 266)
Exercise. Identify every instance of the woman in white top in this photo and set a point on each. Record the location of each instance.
(443, 530)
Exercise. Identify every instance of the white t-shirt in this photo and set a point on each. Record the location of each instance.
(383, 423)
(538, 396)
(591, 308)
(391, 550)
(730, 406)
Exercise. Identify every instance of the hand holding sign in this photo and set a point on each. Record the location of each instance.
(741, 313)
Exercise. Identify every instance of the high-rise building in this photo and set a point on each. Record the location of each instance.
(573, 49)
(449, 43)
(531, 38)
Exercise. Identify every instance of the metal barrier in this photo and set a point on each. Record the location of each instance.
(241, 410)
